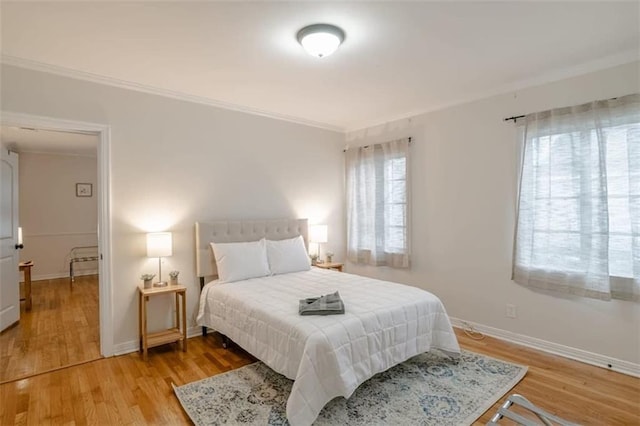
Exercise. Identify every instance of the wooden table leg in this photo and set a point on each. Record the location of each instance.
(145, 349)
(26, 268)
(184, 321)
(27, 287)
(177, 299)
(139, 322)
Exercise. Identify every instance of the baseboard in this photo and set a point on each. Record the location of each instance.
(57, 275)
(134, 345)
(610, 363)
(126, 347)
(194, 331)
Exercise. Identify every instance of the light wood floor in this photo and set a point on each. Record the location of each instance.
(127, 390)
(575, 391)
(61, 329)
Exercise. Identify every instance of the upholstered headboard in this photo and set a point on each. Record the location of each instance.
(236, 231)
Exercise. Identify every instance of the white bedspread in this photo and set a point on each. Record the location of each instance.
(327, 356)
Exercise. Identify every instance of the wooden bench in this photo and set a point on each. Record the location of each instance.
(81, 254)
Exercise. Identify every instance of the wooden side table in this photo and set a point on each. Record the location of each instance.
(174, 334)
(26, 268)
(331, 265)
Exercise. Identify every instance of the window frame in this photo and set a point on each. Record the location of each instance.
(616, 280)
(378, 196)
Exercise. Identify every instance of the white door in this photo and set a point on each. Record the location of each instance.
(9, 275)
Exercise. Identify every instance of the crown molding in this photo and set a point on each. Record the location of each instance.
(611, 61)
(130, 85)
(549, 77)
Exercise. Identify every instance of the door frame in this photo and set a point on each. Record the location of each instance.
(103, 131)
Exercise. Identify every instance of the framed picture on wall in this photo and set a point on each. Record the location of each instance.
(84, 189)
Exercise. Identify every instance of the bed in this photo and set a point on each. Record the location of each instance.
(326, 356)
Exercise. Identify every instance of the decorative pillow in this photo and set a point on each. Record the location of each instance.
(287, 256)
(241, 261)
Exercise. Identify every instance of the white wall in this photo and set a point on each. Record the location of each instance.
(464, 197)
(175, 162)
(53, 219)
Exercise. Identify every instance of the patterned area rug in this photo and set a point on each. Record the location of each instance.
(429, 389)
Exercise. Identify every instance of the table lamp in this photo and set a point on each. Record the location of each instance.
(159, 244)
(318, 235)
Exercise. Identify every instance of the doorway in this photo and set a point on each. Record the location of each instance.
(57, 304)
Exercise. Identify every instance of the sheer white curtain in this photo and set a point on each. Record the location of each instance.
(378, 204)
(578, 225)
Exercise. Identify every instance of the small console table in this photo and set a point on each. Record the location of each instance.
(173, 334)
(26, 268)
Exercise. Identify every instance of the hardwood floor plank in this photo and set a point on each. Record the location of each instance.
(62, 328)
(575, 391)
(21, 419)
(9, 406)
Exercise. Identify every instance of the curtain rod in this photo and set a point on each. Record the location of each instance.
(515, 117)
(367, 146)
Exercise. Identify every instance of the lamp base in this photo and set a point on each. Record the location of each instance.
(160, 284)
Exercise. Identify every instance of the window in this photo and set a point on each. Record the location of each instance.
(378, 204)
(579, 203)
(619, 197)
(394, 188)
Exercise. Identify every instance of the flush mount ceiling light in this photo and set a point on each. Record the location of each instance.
(320, 40)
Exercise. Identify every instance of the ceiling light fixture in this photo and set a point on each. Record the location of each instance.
(320, 40)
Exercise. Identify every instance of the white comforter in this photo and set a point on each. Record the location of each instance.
(384, 324)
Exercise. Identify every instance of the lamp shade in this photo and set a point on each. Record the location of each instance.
(320, 40)
(318, 233)
(159, 244)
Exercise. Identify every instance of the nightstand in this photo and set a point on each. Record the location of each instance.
(174, 334)
(330, 265)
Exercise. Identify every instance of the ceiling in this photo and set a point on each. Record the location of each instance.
(398, 59)
(22, 139)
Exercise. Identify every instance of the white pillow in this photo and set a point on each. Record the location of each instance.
(241, 261)
(287, 256)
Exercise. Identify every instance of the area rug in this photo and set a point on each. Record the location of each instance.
(429, 389)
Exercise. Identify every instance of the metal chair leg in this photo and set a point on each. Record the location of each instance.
(546, 418)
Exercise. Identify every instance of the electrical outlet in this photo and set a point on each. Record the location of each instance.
(511, 311)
